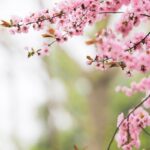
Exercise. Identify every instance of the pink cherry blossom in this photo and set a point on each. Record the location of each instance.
(117, 46)
(131, 127)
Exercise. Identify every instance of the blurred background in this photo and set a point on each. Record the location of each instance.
(56, 102)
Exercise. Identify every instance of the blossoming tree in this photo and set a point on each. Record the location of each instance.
(116, 47)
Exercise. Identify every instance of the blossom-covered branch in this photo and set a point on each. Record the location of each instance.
(130, 55)
(130, 127)
(72, 17)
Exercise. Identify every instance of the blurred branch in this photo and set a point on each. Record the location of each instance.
(146, 132)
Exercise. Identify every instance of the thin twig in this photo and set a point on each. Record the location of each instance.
(145, 131)
(111, 12)
(145, 15)
(136, 44)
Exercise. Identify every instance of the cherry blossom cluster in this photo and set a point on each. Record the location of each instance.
(130, 128)
(143, 86)
(69, 18)
(129, 54)
(139, 11)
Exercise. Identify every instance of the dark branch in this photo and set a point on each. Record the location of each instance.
(138, 43)
(111, 12)
(145, 15)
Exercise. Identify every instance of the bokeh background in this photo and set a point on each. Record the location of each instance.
(56, 102)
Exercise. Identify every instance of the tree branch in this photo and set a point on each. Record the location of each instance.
(136, 44)
(115, 132)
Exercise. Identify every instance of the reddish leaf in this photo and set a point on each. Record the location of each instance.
(5, 24)
(89, 58)
(47, 35)
(90, 42)
(51, 31)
